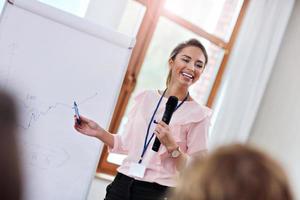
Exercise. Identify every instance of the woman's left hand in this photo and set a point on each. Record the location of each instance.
(163, 133)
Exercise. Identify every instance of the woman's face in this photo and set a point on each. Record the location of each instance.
(187, 66)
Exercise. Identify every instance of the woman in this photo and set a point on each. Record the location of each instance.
(234, 172)
(146, 174)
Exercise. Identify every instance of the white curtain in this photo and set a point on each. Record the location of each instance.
(248, 70)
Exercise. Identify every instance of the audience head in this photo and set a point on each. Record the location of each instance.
(234, 172)
(10, 182)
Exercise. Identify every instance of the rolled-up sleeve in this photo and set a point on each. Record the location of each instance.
(120, 144)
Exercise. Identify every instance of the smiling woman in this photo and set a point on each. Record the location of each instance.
(185, 137)
(215, 23)
(189, 59)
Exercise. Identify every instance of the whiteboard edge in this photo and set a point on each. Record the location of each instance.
(11, 1)
(75, 22)
(125, 64)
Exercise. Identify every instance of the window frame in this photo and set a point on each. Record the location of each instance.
(154, 10)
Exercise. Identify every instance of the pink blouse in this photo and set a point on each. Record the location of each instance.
(189, 127)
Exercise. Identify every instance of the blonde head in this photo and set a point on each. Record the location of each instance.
(234, 172)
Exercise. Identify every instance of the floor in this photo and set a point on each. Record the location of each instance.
(97, 190)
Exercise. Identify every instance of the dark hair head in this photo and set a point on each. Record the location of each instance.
(234, 172)
(191, 42)
(8, 113)
(10, 182)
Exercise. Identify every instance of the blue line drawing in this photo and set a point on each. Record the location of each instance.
(33, 114)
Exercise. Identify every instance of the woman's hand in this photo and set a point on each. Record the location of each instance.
(163, 133)
(88, 127)
(91, 128)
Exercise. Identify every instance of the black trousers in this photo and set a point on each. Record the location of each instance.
(126, 188)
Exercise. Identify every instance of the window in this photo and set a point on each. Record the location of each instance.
(165, 24)
(215, 16)
(1, 5)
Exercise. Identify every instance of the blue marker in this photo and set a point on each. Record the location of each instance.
(78, 121)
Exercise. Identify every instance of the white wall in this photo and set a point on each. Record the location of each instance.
(106, 12)
(277, 125)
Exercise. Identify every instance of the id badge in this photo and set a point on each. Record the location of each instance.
(137, 170)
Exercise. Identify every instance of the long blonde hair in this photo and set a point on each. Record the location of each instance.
(234, 172)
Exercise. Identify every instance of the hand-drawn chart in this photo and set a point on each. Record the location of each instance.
(33, 113)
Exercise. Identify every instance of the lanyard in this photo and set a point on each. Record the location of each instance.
(146, 141)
